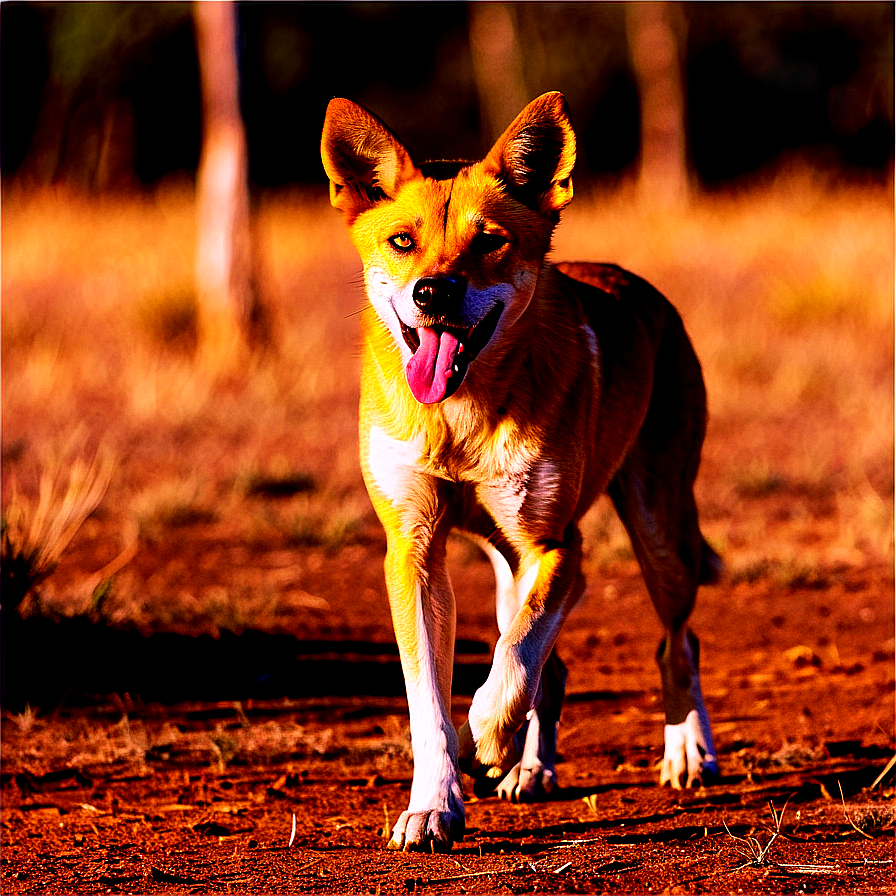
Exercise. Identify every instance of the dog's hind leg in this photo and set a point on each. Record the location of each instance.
(653, 494)
(670, 560)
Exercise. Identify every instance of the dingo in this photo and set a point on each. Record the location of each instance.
(500, 395)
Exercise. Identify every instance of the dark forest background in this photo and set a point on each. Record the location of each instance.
(106, 95)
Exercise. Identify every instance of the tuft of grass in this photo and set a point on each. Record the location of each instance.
(224, 748)
(26, 719)
(785, 572)
(173, 503)
(170, 320)
(790, 755)
(280, 482)
(869, 819)
(135, 739)
(227, 609)
(755, 853)
(796, 755)
(329, 528)
(331, 517)
(100, 598)
(758, 480)
(868, 516)
(35, 534)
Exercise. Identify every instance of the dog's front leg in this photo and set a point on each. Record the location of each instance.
(488, 743)
(423, 614)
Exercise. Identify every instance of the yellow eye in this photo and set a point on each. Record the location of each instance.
(402, 242)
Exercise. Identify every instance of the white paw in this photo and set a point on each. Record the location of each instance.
(686, 756)
(428, 831)
(434, 818)
(527, 785)
(533, 778)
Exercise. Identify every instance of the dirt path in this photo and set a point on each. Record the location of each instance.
(123, 795)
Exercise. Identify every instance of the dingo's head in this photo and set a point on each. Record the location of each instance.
(451, 251)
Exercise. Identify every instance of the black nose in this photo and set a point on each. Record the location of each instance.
(439, 296)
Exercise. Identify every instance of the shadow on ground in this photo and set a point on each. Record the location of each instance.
(45, 662)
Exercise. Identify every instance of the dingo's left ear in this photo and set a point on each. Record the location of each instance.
(536, 154)
(364, 160)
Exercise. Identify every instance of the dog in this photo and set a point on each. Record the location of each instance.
(500, 396)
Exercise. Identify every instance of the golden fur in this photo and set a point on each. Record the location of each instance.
(501, 395)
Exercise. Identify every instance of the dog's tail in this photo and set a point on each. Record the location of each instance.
(712, 566)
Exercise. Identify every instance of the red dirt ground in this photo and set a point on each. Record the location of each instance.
(121, 795)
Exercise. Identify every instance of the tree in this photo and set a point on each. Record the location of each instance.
(663, 176)
(224, 286)
(497, 65)
(84, 128)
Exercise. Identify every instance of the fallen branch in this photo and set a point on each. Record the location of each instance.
(830, 869)
(569, 844)
(307, 865)
(447, 880)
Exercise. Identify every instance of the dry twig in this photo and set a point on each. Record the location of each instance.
(885, 772)
(750, 847)
(853, 825)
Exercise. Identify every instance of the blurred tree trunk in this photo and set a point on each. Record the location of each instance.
(115, 166)
(663, 177)
(224, 282)
(497, 66)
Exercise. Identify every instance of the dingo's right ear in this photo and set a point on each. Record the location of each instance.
(536, 154)
(364, 160)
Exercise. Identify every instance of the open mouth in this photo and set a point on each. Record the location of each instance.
(442, 354)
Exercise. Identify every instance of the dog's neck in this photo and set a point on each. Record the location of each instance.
(489, 417)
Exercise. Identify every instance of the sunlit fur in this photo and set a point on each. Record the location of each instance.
(544, 420)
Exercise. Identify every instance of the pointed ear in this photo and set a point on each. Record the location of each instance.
(536, 154)
(364, 160)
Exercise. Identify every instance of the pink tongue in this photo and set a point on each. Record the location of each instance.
(428, 371)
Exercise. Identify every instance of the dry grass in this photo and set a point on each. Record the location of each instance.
(787, 291)
(751, 849)
(36, 533)
(169, 504)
